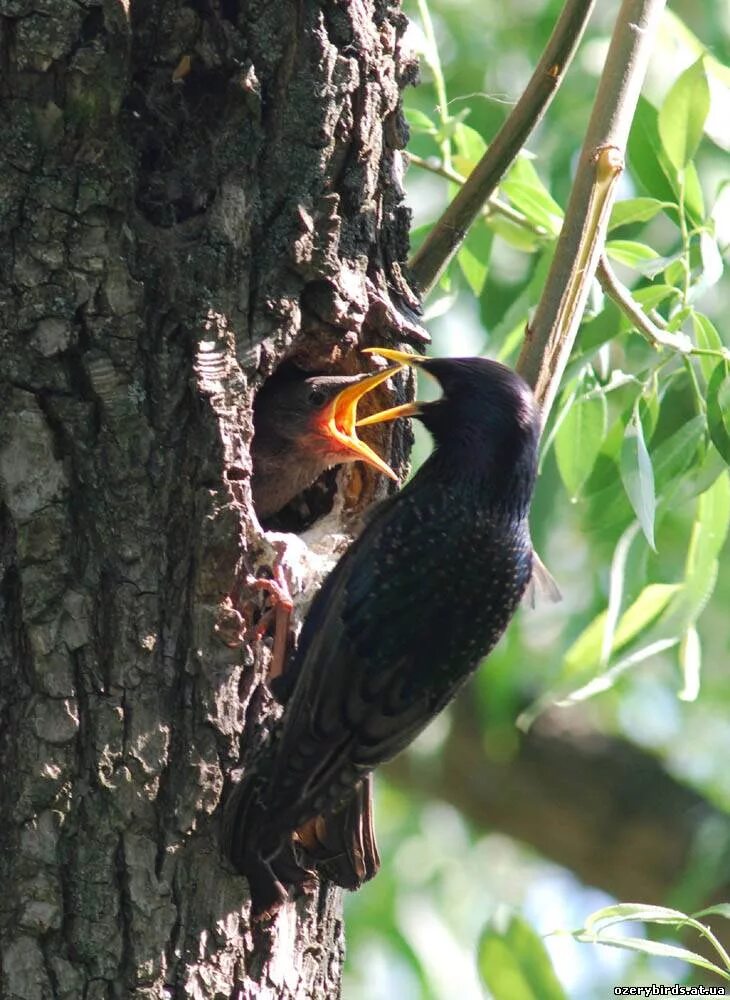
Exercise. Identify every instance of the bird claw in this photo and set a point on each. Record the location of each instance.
(280, 612)
(277, 587)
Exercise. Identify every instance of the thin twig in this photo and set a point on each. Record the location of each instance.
(550, 336)
(449, 231)
(628, 305)
(494, 205)
(434, 62)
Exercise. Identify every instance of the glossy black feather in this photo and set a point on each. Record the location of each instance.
(413, 606)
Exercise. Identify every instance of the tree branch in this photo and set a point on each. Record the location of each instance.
(449, 231)
(598, 805)
(549, 338)
(493, 204)
(623, 298)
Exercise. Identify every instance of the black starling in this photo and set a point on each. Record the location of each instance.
(303, 425)
(400, 623)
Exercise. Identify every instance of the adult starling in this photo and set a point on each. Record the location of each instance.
(398, 626)
(302, 426)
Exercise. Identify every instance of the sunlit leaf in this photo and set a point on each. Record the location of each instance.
(656, 948)
(683, 113)
(474, 254)
(649, 408)
(419, 122)
(514, 963)
(579, 440)
(630, 253)
(616, 589)
(439, 306)
(690, 662)
(598, 923)
(471, 147)
(706, 337)
(519, 236)
(534, 200)
(636, 210)
(637, 476)
(710, 529)
(709, 532)
(653, 295)
(652, 166)
(712, 263)
(718, 910)
(645, 609)
(586, 651)
(618, 913)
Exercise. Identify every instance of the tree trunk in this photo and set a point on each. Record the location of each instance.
(189, 193)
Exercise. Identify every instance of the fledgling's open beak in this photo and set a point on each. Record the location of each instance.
(405, 409)
(337, 421)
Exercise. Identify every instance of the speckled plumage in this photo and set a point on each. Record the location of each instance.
(409, 611)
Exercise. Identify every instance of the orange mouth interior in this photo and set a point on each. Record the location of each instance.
(338, 421)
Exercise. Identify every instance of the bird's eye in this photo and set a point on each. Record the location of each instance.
(317, 397)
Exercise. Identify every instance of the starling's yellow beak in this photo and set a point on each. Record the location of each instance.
(338, 420)
(402, 357)
(405, 409)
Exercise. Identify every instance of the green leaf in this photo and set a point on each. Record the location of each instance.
(651, 165)
(718, 409)
(698, 479)
(690, 662)
(636, 210)
(718, 910)
(656, 948)
(473, 257)
(419, 122)
(675, 453)
(712, 264)
(579, 440)
(710, 529)
(471, 148)
(598, 923)
(706, 337)
(653, 295)
(518, 311)
(630, 253)
(534, 200)
(709, 532)
(516, 234)
(586, 652)
(646, 608)
(649, 407)
(637, 475)
(617, 586)
(514, 963)
(682, 115)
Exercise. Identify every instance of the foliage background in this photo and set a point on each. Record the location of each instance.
(646, 449)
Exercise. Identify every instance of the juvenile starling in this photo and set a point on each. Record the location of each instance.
(400, 623)
(302, 426)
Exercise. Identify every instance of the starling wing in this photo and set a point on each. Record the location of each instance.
(401, 622)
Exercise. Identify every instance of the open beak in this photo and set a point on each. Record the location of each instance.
(338, 420)
(405, 409)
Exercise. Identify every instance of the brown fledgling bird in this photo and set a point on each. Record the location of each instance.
(400, 623)
(303, 425)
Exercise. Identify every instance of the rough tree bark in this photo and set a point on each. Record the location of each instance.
(189, 193)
